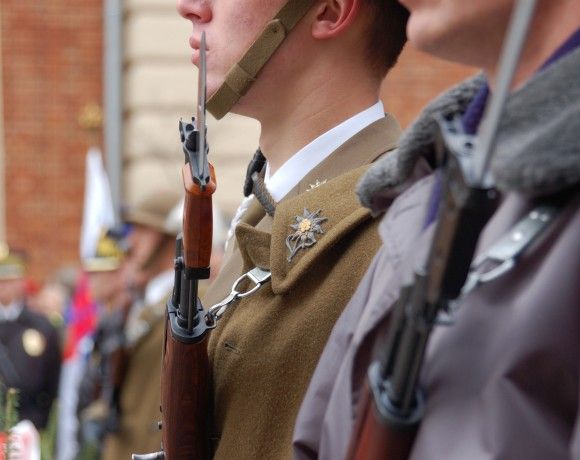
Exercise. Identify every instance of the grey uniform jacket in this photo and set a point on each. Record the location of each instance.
(503, 381)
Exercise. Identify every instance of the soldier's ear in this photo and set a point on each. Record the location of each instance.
(333, 17)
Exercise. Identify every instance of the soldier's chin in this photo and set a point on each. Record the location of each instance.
(244, 106)
(428, 32)
(212, 86)
(445, 39)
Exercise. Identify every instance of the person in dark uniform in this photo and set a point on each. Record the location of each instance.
(30, 355)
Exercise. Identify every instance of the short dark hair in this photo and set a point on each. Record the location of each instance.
(387, 34)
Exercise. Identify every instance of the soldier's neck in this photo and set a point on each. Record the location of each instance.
(553, 24)
(299, 119)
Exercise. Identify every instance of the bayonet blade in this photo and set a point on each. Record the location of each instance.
(201, 99)
(194, 135)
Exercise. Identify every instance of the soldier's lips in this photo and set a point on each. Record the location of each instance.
(195, 57)
(195, 44)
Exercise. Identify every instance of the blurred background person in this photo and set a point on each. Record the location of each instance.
(54, 294)
(51, 300)
(98, 405)
(30, 353)
(148, 274)
(80, 319)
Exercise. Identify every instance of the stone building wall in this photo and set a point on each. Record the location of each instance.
(161, 87)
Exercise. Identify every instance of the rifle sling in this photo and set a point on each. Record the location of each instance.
(242, 74)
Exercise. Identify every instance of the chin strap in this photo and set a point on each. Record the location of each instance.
(243, 73)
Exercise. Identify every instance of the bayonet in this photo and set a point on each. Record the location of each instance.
(185, 392)
(194, 134)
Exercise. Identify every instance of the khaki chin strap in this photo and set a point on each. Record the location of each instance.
(243, 73)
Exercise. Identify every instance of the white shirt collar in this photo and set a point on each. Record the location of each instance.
(158, 287)
(303, 161)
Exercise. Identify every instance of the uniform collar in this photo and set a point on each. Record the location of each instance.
(474, 114)
(253, 243)
(307, 158)
(265, 245)
(537, 148)
(360, 147)
(568, 46)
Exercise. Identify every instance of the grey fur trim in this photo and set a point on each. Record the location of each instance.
(396, 167)
(539, 139)
(538, 142)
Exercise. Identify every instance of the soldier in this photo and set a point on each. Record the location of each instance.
(29, 345)
(104, 270)
(312, 80)
(148, 272)
(98, 398)
(501, 375)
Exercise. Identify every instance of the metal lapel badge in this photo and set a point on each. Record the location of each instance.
(306, 227)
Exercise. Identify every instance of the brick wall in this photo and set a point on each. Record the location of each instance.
(415, 80)
(51, 60)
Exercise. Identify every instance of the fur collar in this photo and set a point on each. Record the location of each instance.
(538, 149)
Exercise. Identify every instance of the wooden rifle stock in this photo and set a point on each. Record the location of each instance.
(197, 219)
(394, 444)
(185, 399)
(185, 379)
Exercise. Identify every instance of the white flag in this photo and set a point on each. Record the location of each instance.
(98, 211)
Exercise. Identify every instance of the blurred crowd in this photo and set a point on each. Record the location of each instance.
(84, 348)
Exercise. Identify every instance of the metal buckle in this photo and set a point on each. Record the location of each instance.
(256, 275)
(508, 249)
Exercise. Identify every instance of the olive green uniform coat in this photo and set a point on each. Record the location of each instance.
(265, 348)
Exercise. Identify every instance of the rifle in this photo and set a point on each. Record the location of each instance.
(393, 404)
(185, 384)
